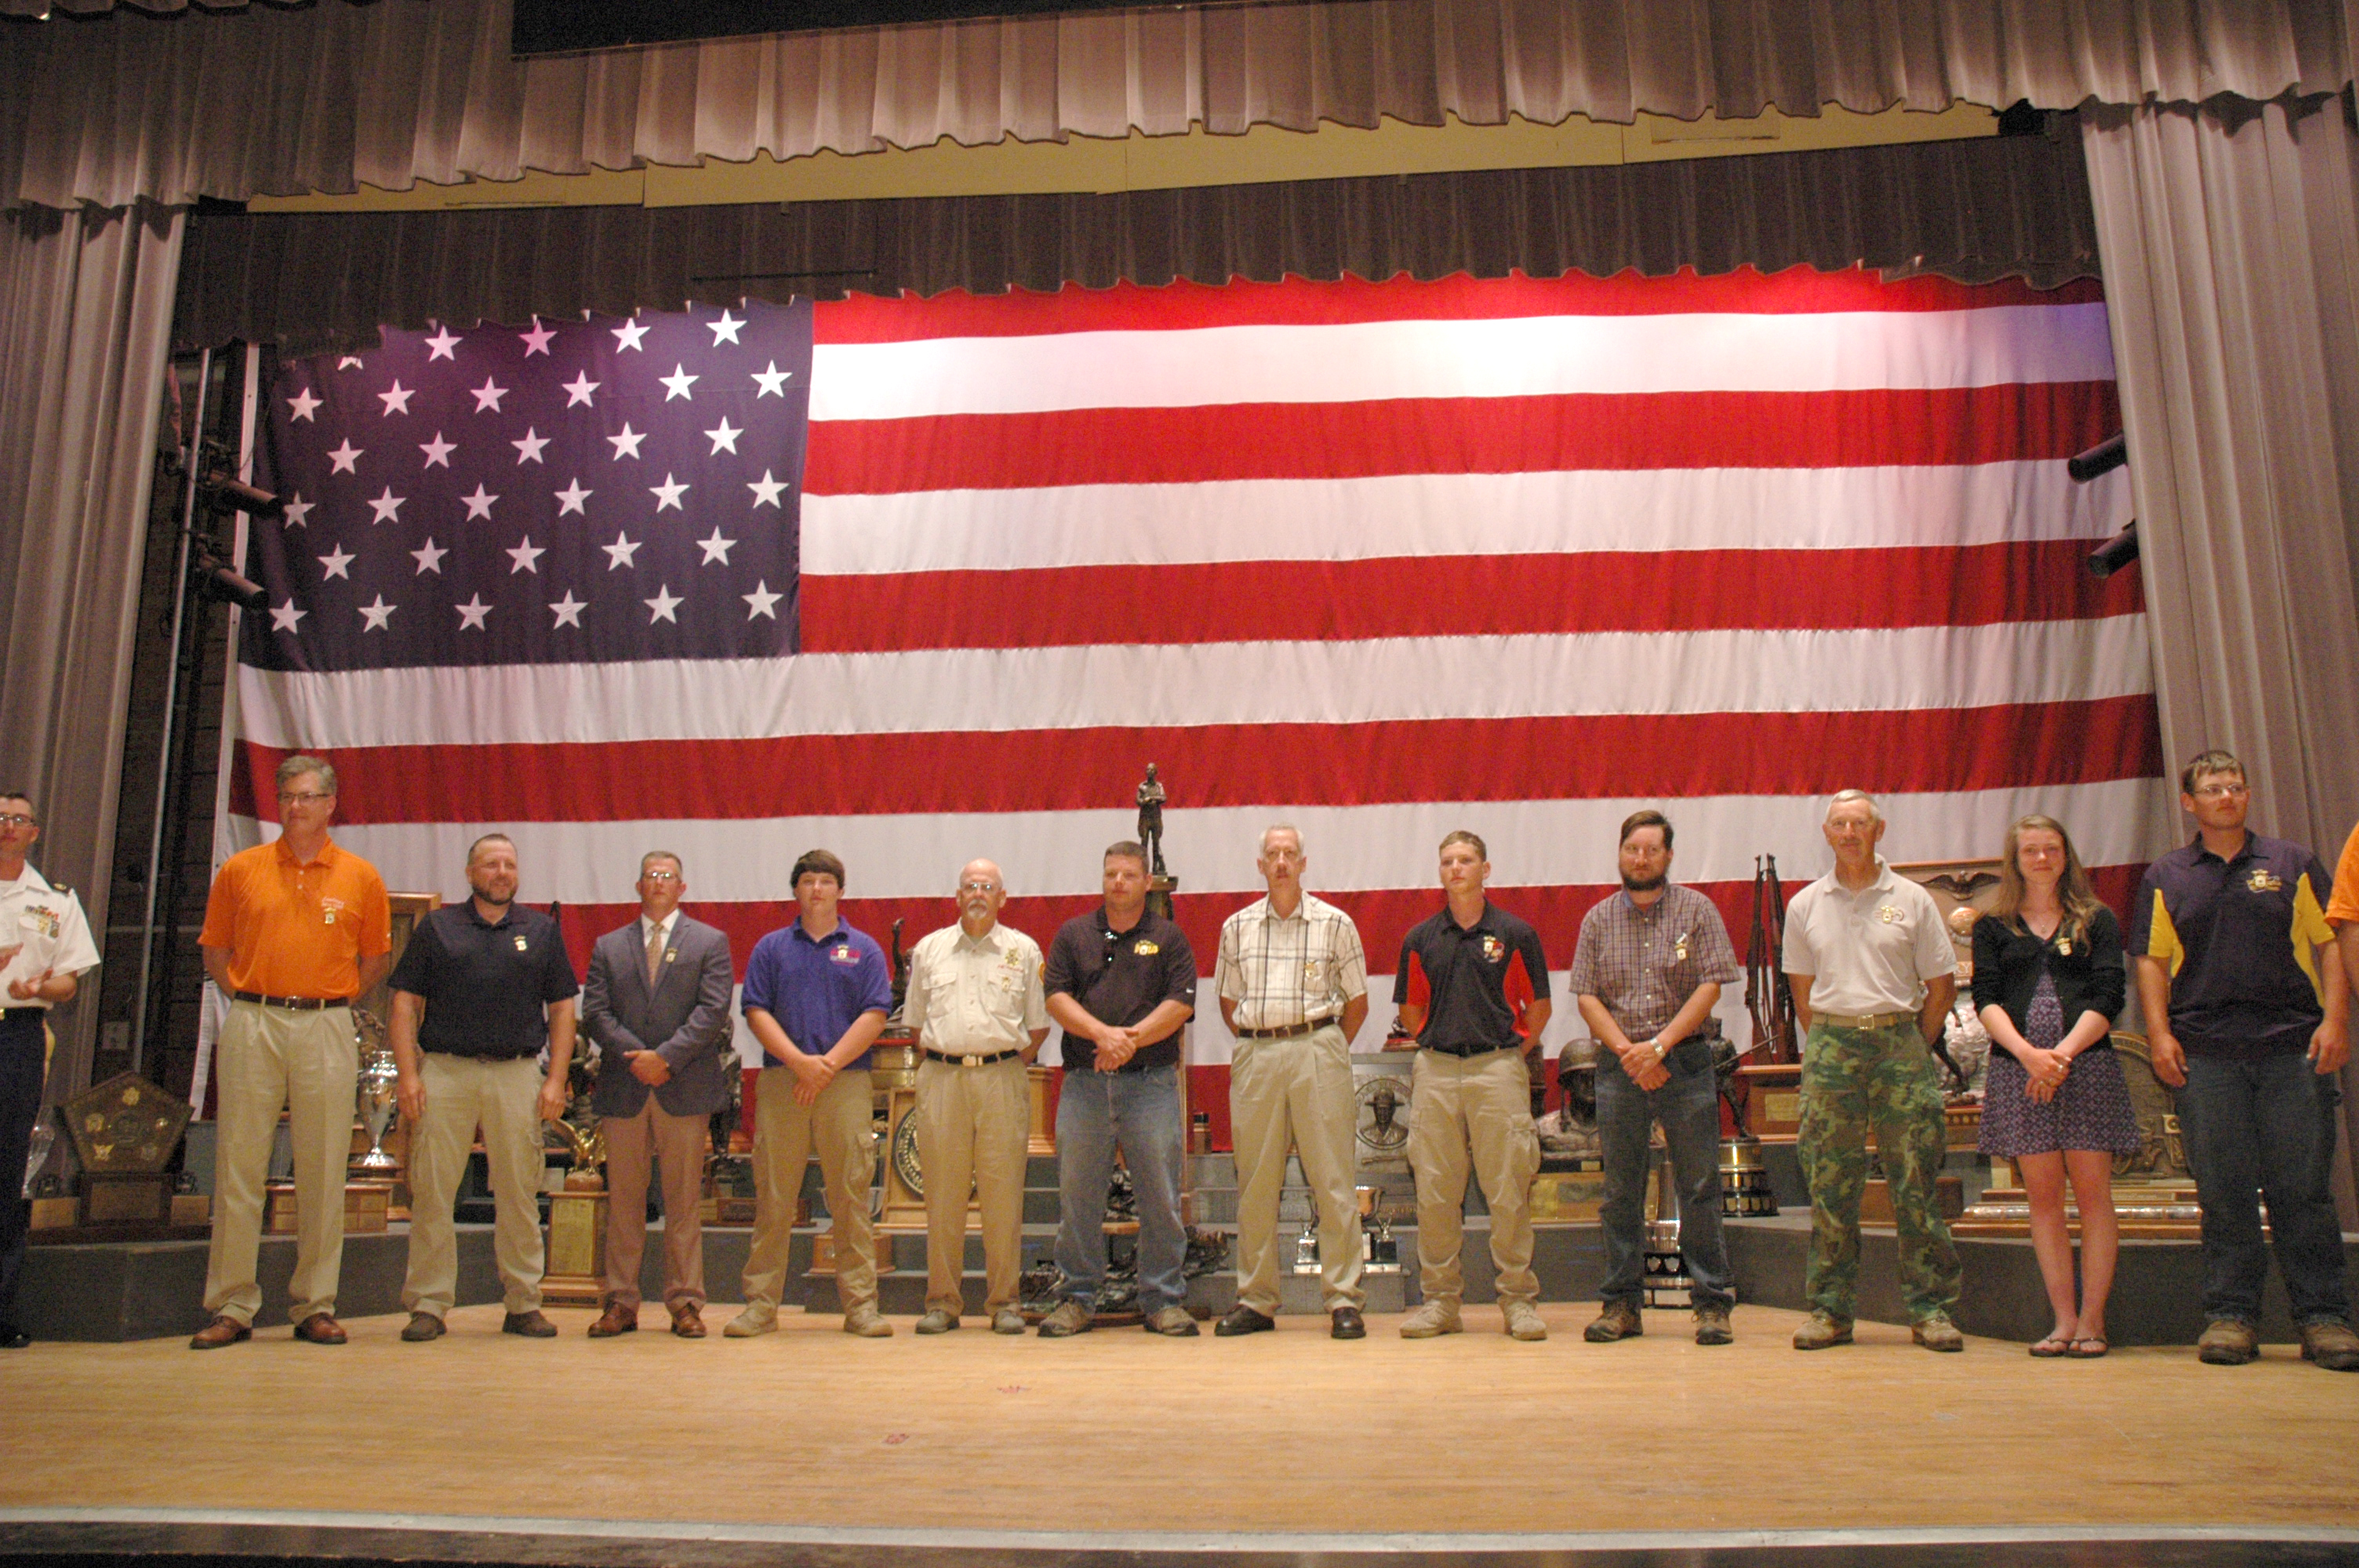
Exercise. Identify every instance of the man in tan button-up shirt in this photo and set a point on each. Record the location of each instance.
(975, 1000)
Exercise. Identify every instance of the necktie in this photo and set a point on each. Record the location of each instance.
(654, 957)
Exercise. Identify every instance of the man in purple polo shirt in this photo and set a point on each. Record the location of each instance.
(816, 996)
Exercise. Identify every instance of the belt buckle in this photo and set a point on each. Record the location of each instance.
(970, 1060)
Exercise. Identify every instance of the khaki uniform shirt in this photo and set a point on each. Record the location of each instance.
(1868, 952)
(1282, 972)
(975, 996)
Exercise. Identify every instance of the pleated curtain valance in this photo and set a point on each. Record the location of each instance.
(126, 107)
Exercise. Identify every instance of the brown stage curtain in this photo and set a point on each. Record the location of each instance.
(85, 309)
(1973, 211)
(275, 101)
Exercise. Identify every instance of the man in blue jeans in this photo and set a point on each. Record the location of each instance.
(1121, 982)
(1648, 968)
(2247, 1017)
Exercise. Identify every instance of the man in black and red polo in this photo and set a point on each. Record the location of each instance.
(1472, 986)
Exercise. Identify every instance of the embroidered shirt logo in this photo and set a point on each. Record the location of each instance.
(1494, 950)
(2264, 880)
(1890, 915)
(1146, 950)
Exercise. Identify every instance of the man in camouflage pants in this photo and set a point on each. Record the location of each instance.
(1873, 975)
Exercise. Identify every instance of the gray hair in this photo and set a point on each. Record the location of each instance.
(1283, 827)
(1847, 796)
(296, 766)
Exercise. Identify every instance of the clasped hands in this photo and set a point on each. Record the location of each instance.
(1645, 1067)
(1115, 1047)
(2047, 1071)
(26, 989)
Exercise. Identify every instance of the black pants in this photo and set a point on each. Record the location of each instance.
(22, 1067)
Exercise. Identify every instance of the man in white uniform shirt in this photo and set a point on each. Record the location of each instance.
(1873, 974)
(976, 1001)
(44, 948)
(1294, 988)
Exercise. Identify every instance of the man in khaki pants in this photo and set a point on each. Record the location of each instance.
(295, 930)
(1294, 988)
(1473, 987)
(976, 1002)
(468, 1026)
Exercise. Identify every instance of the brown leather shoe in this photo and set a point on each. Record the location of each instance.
(616, 1319)
(687, 1322)
(2332, 1345)
(530, 1325)
(421, 1327)
(320, 1329)
(223, 1330)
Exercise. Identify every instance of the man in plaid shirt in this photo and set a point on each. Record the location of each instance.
(1649, 966)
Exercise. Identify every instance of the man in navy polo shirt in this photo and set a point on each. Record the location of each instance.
(816, 995)
(1473, 986)
(2246, 1016)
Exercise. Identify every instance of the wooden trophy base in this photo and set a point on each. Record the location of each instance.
(366, 1203)
(2144, 1211)
(1773, 1100)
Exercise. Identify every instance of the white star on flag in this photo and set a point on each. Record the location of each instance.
(537, 340)
(668, 494)
(283, 617)
(760, 601)
(438, 450)
(472, 614)
(301, 405)
(377, 617)
(622, 552)
(528, 449)
(487, 396)
(725, 436)
(579, 389)
(715, 548)
(439, 345)
(334, 564)
(766, 489)
(478, 504)
(299, 510)
(569, 611)
(661, 606)
(428, 559)
(725, 329)
(396, 399)
(344, 457)
(627, 336)
(524, 556)
(571, 498)
(627, 441)
(388, 507)
(773, 381)
(677, 383)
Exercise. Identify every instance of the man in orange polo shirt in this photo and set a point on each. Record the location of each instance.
(295, 932)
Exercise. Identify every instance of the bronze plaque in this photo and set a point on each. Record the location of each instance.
(125, 1126)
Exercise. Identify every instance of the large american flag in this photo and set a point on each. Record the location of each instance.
(1378, 559)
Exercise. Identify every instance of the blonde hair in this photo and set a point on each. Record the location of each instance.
(2072, 890)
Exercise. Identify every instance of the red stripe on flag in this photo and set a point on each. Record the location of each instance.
(1131, 308)
(1872, 428)
(1658, 756)
(1666, 590)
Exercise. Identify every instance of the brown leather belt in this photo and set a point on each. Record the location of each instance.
(1286, 1032)
(955, 1060)
(293, 1003)
(1864, 1021)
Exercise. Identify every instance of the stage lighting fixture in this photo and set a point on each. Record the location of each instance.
(2116, 552)
(217, 581)
(220, 491)
(2103, 458)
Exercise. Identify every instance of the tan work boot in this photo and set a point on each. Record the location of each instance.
(1822, 1330)
(1616, 1320)
(746, 1324)
(2332, 1345)
(1069, 1317)
(1934, 1331)
(1432, 1320)
(866, 1322)
(2227, 1342)
(1008, 1320)
(1173, 1322)
(1711, 1326)
(1524, 1321)
(937, 1321)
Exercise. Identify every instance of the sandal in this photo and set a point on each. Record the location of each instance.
(2087, 1348)
(2052, 1346)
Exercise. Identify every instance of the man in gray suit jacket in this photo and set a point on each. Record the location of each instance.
(657, 1005)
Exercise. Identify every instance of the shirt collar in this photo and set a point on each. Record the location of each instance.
(2250, 849)
(989, 939)
(506, 916)
(1644, 912)
(802, 934)
(327, 855)
(658, 927)
(31, 881)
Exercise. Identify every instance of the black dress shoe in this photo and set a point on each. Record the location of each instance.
(1242, 1319)
(1348, 1323)
(12, 1338)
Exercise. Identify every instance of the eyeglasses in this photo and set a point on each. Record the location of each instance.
(978, 887)
(660, 876)
(2223, 791)
(12, 820)
(309, 799)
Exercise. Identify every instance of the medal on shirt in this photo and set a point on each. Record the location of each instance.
(2064, 948)
(520, 947)
(1890, 915)
(1679, 948)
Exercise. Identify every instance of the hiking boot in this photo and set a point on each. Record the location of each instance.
(2332, 1345)
(1071, 1317)
(1822, 1330)
(1711, 1326)
(1524, 1321)
(1934, 1331)
(2227, 1342)
(1431, 1320)
(1617, 1320)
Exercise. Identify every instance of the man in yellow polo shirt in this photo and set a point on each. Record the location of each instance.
(295, 932)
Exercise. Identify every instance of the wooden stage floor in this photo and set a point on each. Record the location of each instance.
(1475, 1435)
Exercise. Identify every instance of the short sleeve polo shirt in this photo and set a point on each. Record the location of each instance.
(816, 988)
(297, 927)
(1475, 981)
(1867, 952)
(2239, 938)
(1119, 977)
(485, 983)
(2343, 907)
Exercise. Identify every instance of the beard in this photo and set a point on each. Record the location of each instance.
(488, 896)
(1643, 884)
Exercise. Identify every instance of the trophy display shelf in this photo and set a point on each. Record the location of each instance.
(125, 1132)
(1773, 1100)
(366, 1206)
(2144, 1211)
